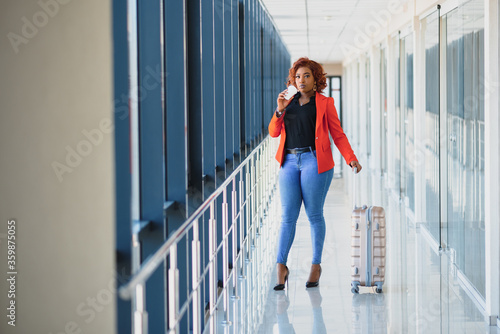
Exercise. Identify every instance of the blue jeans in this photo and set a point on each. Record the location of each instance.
(299, 181)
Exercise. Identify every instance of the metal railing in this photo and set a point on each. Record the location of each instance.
(247, 243)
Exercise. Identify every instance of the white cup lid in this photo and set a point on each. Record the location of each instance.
(291, 91)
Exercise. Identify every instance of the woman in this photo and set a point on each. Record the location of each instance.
(306, 160)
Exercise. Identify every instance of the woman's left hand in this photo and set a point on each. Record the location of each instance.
(355, 164)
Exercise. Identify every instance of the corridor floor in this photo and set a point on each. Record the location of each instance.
(421, 294)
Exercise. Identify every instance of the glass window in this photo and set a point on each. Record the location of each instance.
(383, 108)
(368, 107)
(397, 139)
(430, 32)
(407, 126)
(465, 126)
(336, 93)
(358, 107)
(326, 91)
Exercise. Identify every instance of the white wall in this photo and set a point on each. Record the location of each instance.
(55, 84)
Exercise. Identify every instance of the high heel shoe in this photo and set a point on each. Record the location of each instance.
(314, 284)
(279, 287)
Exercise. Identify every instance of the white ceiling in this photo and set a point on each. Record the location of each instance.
(322, 29)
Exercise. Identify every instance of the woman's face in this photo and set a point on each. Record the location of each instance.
(304, 80)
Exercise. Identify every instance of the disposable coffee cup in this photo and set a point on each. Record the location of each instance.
(290, 92)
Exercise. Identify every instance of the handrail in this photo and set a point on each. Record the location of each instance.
(153, 261)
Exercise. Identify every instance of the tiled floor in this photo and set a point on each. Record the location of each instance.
(421, 293)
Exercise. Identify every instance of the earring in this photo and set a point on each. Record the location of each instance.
(314, 88)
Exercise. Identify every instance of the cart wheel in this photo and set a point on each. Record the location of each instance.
(378, 290)
(355, 290)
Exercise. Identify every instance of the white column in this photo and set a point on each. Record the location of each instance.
(391, 114)
(363, 196)
(418, 150)
(347, 116)
(361, 119)
(492, 154)
(419, 119)
(350, 113)
(443, 138)
(376, 128)
(354, 116)
(376, 125)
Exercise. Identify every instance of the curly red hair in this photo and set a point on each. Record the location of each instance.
(317, 71)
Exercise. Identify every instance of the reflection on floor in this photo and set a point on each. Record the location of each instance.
(421, 293)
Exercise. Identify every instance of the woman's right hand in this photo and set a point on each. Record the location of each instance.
(282, 102)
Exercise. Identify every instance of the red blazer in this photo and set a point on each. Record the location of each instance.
(327, 119)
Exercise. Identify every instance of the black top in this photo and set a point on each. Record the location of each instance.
(300, 123)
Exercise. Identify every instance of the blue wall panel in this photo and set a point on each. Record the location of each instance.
(228, 85)
(176, 98)
(195, 97)
(236, 82)
(219, 90)
(122, 180)
(208, 84)
(152, 192)
(208, 95)
(176, 125)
